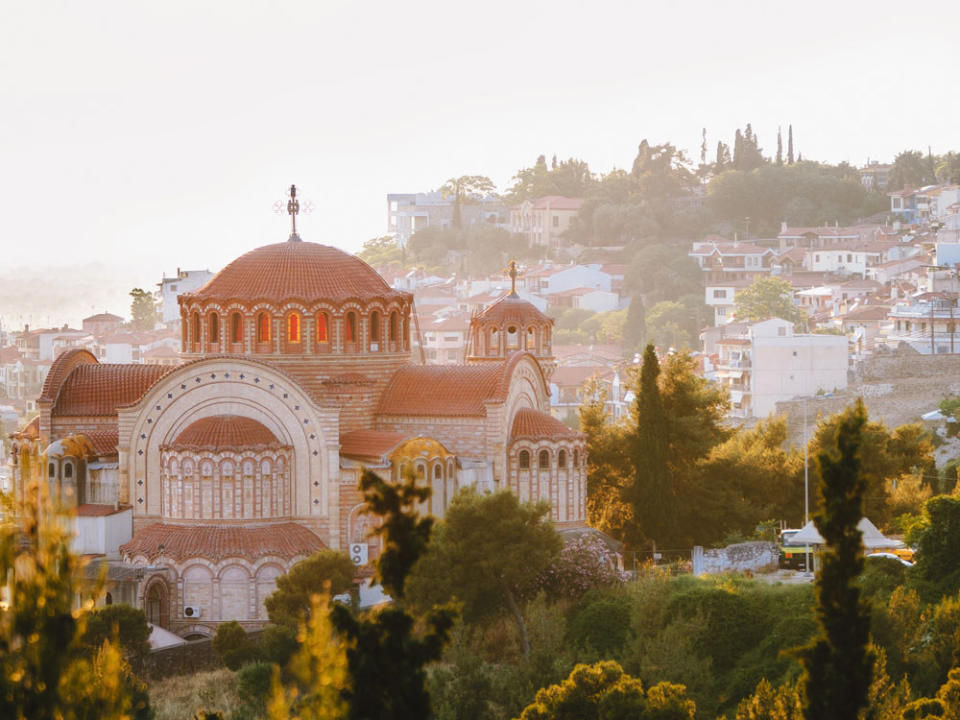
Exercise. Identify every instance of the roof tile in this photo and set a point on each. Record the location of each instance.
(99, 389)
(216, 543)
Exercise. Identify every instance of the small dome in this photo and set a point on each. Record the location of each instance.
(511, 309)
(296, 271)
(225, 432)
(529, 423)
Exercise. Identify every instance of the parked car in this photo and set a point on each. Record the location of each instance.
(890, 556)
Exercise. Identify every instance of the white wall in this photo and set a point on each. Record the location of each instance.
(102, 535)
(788, 367)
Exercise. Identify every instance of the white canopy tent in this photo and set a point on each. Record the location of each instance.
(873, 539)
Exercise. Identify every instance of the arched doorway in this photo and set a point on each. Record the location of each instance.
(156, 604)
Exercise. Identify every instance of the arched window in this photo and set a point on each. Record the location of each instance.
(576, 458)
(513, 337)
(52, 470)
(213, 329)
(562, 459)
(437, 471)
(293, 327)
(236, 328)
(68, 470)
(322, 332)
(263, 328)
(531, 338)
(374, 327)
(108, 600)
(406, 331)
(524, 459)
(350, 327)
(394, 322)
(196, 327)
(544, 462)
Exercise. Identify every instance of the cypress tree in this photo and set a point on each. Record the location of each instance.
(737, 150)
(838, 664)
(703, 147)
(790, 145)
(779, 147)
(723, 157)
(651, 494)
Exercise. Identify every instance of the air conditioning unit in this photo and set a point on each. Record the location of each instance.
(192, 611)
(359, 553)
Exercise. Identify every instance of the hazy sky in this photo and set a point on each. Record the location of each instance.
(138, 137)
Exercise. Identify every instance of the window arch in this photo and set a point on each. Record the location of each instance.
(263, 328)
(196, 328)
(524, 459)
(68, 470)
(374, 329)
(394, 322)
(323, 334)
(513, 337)
(350, 327)
(236, 328)
(562, 459)
(437, 471)
(544, 460)
(213, 328)
(576, 458)
(293, 327)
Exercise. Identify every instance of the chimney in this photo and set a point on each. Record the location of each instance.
(26, 328)
(783, 226)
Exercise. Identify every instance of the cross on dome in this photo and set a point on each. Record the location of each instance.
(293, 209)
(512, 271)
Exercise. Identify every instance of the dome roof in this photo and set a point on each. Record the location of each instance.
(296, 270)
(223, 432)
(530, 423)
(511, 309)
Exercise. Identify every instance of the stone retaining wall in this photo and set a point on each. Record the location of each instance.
(742, 557)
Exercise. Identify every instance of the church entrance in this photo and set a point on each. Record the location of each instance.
(156, 604)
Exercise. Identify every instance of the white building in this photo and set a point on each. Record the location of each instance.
(548, 279)
(841, 261)
(720, 295)
(765, 362)
(172, 287)
(927, 323)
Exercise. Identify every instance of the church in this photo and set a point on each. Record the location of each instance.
(204, 482)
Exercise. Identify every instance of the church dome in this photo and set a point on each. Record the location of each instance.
(511, 309)
(296, 270)
(225, 432)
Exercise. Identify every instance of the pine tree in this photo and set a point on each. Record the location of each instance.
(738, 150)
(790, 145)
(385, 658)
(650, 494)
(723, 157)
(703, 147)
(838, 664)
(779, 147)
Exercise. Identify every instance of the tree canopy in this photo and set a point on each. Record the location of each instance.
(328, 571)
(767, 297)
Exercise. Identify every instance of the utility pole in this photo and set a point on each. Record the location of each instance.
(806, 485)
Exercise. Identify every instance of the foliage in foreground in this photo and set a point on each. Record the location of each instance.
(46, 670)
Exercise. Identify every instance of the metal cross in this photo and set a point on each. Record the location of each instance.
(293, 208)
(512, 271)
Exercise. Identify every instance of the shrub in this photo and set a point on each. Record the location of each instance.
(603, 625)
(233, 645)
(583, 564)
(254, 682)
(129, 623)
(278, 643)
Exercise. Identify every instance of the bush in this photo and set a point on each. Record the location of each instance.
(233, 645)
(603, 625)
(129, 624)
(328, 571)
(254, 682)
(278, 643)
(583, 564)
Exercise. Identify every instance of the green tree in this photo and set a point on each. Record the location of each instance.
(651, 493)
(328, 571)
(938, 545)
(143, 310)
(910, 169)
(486, 553)
(608, 469)
(948, 168)
(664, 272)
(888, 454)
(46, 670)
(233, 645)
(767, 297)
(838, 664)
(126, 626)
(779, 159)
(723, 160)
(790, 145)
(385, 657)
(661, 171)
(570, 178)
(465, 189)
(605, 692)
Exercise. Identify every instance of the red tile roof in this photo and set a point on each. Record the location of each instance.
(216, 543)
(225, 432)
(100, 389)
(103, 317)
(529, 423)
(103, 442)
(369, 444)
(511, 309)
(442, 390)
(63, 366)
(9, 355)
(296, 271)
(577, 375)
